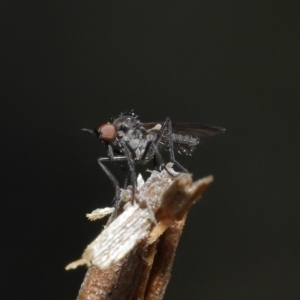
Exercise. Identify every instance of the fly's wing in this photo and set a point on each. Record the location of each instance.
(191, 129)
(196, 130)
(186, 136)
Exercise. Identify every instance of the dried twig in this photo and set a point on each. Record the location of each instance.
(133, 256)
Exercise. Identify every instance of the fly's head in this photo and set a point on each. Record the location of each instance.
(120, 129)
(107, 133)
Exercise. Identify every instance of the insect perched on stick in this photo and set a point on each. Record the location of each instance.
(128, 139)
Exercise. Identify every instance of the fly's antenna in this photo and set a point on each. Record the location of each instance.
(92, 131)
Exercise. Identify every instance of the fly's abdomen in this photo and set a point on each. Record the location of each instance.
(185, 143)
(187, 140)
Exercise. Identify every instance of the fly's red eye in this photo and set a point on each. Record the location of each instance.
(107, 132)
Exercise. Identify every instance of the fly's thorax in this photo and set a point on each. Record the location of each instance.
(125, 123)
(139, 147)
(151, 136)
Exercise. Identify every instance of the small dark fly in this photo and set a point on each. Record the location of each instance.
(128, 139)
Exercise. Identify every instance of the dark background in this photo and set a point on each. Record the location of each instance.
(72, 64)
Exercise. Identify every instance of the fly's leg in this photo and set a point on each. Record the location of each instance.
(153, 145)
(161, 162)
(171, 147)
(126, 175)
(131, 168)
(157, 158)
(112, 158)
(111, 177)
(123, 168)
(166, 126)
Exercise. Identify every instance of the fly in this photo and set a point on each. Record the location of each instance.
(128, 139)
